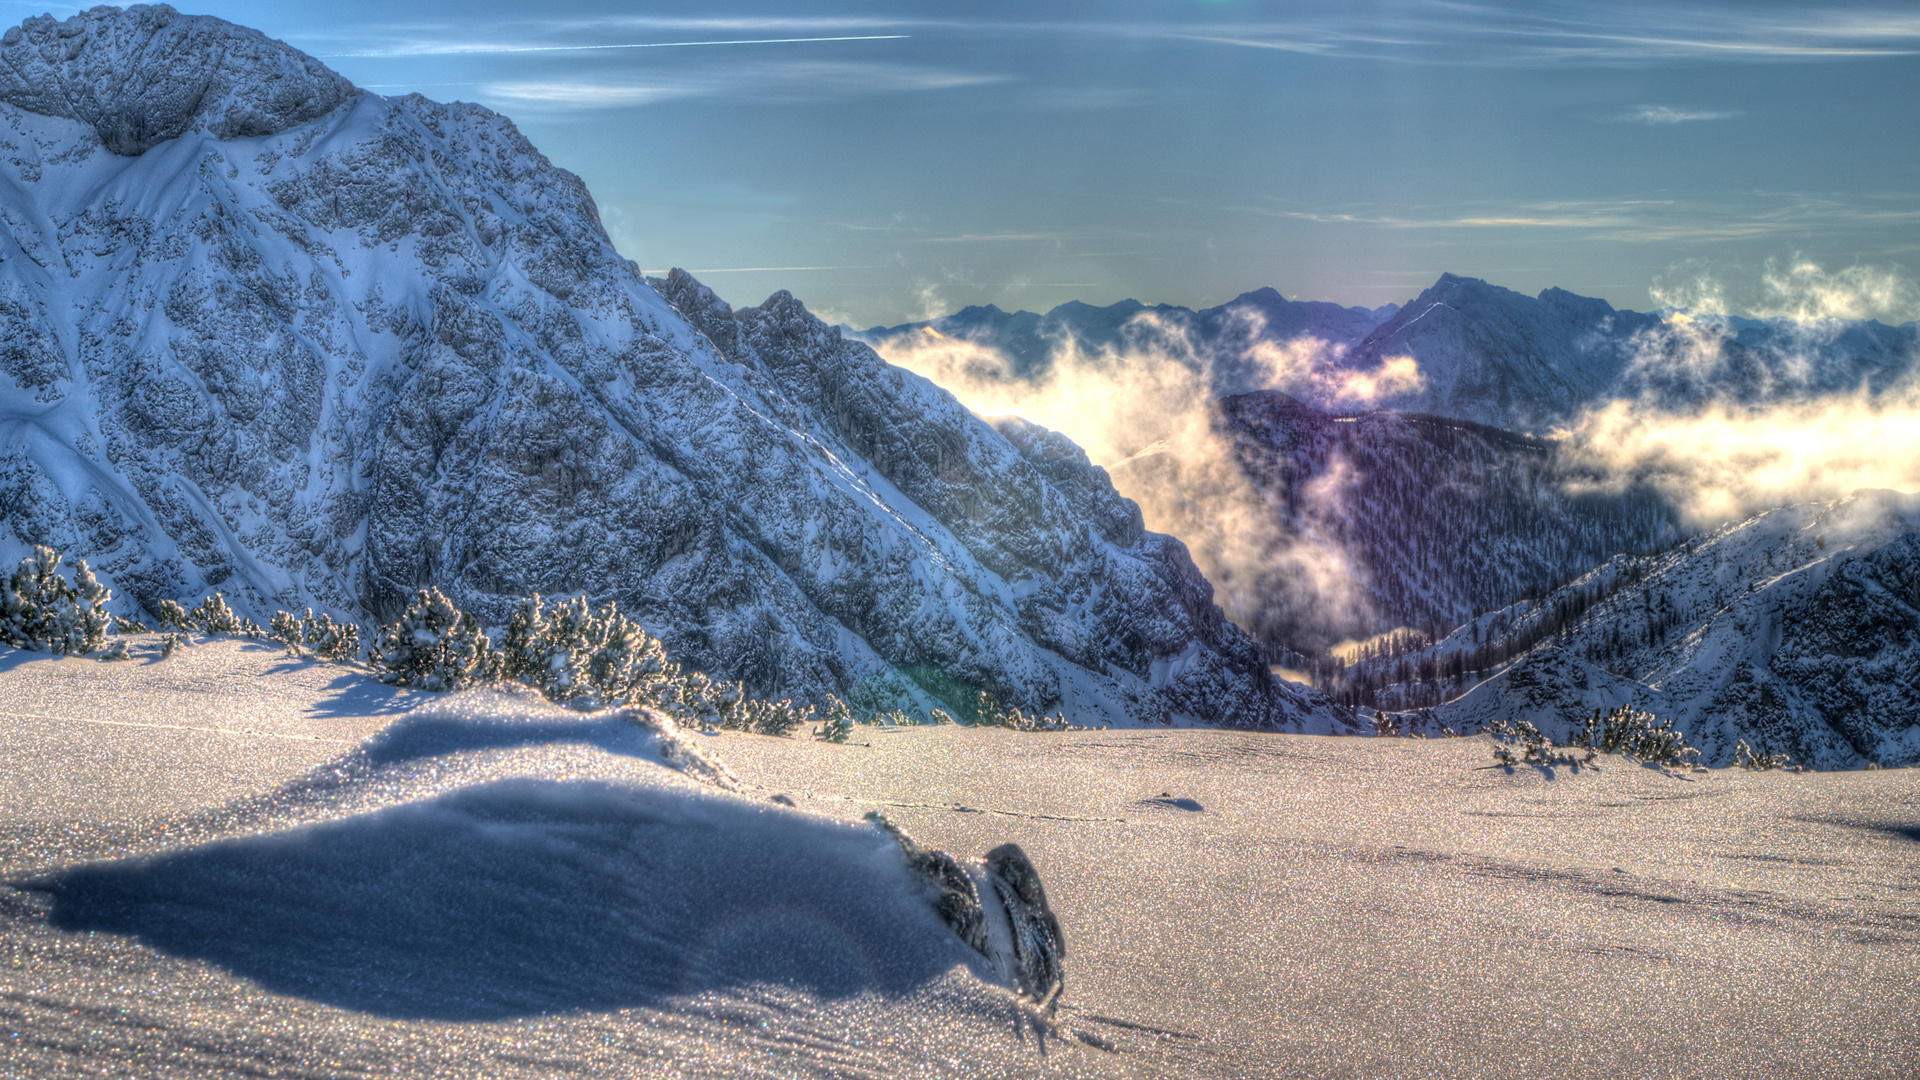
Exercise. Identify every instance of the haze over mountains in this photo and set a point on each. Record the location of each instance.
(1479, 352)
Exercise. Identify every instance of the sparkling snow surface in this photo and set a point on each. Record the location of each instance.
(493, 886)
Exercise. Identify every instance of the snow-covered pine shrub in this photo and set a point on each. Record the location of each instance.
(213, 616)
(168, 644)
(836, 724)
(129, 626)
(523, 655)
(1636, 733)
(573, 652)
(940, 716)
(330, 640)
(169, 615)
(116, 651)
(767, 717)
(990, 713)
(434, 646)
(1748, 758)
(286, 630)
(1535, 747)
(327, 639)
(39, 610)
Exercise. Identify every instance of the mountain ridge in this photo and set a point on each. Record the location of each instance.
(391, 346)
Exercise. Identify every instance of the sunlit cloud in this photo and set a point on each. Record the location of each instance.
(1146, 411)
(1724, 461)
(1758, 432)
(1797, 290)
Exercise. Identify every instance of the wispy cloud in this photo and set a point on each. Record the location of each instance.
(1447, 32)
(1637, 220)
(456, 49)
(795, 81)
(767, 269)
(990, 238)
(1655, 115)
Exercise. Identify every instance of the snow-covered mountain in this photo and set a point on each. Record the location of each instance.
(1797, 630)
(1226, 340)
(1478, 352)
(270, 334)
(1499, 357)
(1435, 520)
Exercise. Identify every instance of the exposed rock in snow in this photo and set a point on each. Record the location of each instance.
(1797, 630)
(148, 74)
(315, 347)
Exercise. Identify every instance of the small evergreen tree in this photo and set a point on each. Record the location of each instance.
(434, 646)
(837, 723)
(286, 630)
(213, 616)
(171, 616)
(39, 610)
(330, 640)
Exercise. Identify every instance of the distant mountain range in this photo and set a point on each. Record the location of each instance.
(1481, 352)
(266, 333)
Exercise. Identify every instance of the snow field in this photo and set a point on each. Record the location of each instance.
(493, 886)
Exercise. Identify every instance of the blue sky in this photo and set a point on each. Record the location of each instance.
(890, 161)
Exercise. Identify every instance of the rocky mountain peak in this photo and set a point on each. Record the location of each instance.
(145, 74)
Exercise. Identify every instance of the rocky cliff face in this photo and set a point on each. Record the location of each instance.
(268, 334)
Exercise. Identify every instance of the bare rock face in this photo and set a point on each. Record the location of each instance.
(147, 74)
(319, 347)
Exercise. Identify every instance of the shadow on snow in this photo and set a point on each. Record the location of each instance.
(522, 897)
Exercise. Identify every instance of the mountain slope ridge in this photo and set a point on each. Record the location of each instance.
(390, 346)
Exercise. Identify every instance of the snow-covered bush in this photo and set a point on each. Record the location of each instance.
(572, 652)
(836, 724)
(171, 616)
(213, 616)
(327, 639)
(1636, 733)
(40, 610)
(767, 717)
(989, 713)
(435, 646)
(1535, 747)
(1748, 758)
(330, 640)
(285, 629)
